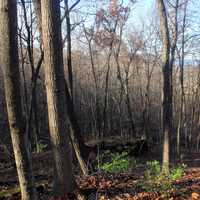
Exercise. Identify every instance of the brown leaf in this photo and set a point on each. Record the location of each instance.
(105, 184)
(195, 196)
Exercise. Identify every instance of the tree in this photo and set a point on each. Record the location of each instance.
(89, 35)
(105, 36)
(56, 99)
(124, 82)
(32, 111)
(79, 147)
(69, 53)
(181, 56)
(10, 64)
(167, 83)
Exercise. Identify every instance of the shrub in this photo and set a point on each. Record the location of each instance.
(155, 180)
(177, 172)
(153, 170)
(120, 162)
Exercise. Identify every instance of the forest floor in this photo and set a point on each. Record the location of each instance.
(122, 186)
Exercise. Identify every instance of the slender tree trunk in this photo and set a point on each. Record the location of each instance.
(167, 84)
(107, 78)
(125, 86)
(24, 76)
(56, 98)
(105, 109)
(182, 59)
(79, 147)
(171, 63)
(37, 7)
(33, 114)
(69, 53)
(147, 101)
(94, 73)
(182, 106)
(10, 64)
(129, 109)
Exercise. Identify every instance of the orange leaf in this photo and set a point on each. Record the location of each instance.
(195, 196)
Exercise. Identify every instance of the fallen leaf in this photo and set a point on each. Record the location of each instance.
(195, 196)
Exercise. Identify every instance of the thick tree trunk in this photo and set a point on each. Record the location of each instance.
(167, 84)
(56, 98)
(75, 131)
(10, 64)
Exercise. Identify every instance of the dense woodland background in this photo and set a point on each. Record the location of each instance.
(133, 63)
(125, 77)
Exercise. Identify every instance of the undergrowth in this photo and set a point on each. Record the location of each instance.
(116, 162)
(155, 181)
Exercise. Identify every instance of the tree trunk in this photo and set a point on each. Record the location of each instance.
(33, 108)
(96, 83)
(10, 63)
(56, 98)
(125, 84)
(37, 7)
(182, 59)
(167, 84)
(105, 109)
(75, 131)
(69, 53)
(77, 140)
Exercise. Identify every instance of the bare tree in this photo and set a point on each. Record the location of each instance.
(56, 99)
(181, 56)
(69, 51)
(123, 17)
(32, 112)
(10, 64)
(80, 149)
(167, 83)
(89, 35)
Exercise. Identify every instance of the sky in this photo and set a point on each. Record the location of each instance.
(142, 10)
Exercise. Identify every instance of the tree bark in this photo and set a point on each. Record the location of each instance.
(75, 131)
(181, 63)
(33, 108)
(167, 84)
(79, 147)
(69, 53)
(10, 63)
(56, 98)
